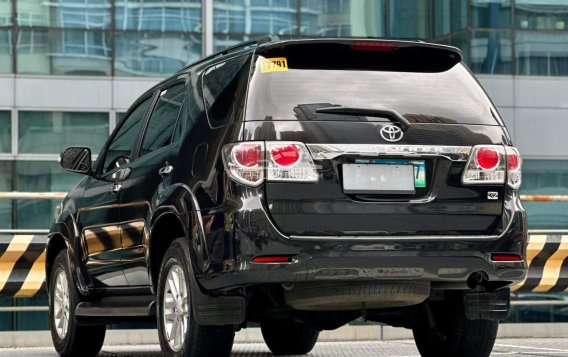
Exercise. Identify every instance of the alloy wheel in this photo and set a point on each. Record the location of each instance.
(175, 308)
(61, 304)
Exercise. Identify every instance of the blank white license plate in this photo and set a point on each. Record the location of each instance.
(381, 179)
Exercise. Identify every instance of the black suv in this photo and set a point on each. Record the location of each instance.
(298, 184)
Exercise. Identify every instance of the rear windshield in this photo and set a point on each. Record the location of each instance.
(282, 91)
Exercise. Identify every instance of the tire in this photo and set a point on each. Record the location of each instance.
(288, 337)
(455, 335)
(69, 339)
(190, 339)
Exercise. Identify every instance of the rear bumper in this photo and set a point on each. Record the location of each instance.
(438, 259)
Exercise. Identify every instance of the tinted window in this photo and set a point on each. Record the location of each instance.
(126, 136)
(164, 118)
(220, 84)
(451, 96)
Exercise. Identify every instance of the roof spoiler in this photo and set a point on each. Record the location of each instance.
(363, 54)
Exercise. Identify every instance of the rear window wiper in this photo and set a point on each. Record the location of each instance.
(383, 113)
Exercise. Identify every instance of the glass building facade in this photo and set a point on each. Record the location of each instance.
(107, 41)
(152, 37)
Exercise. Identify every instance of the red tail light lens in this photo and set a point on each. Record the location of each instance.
(248, 155)
(513, 160)
(514, 163)
(285, 155)
(487, 158)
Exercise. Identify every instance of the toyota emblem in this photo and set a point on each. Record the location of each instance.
(391, 133)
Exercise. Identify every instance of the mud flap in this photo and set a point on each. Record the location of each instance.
(216, 310)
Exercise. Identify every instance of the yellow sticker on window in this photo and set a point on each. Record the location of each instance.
(278, 64)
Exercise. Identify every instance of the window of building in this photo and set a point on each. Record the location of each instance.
(409, 19)
(78, 14)
(32, 13)
(52, 132)
(158, 15)
(546, 177)
(343, 18)
(541, 15)
(491, 52)
(458, 15)
(126, 137)
(5, 132)
(164, 118)
(5, 12)
(5, 51)
(258, 16)
(63, 52)
(6, 184)
(157, 54)
(541, 53)
(491, 13)
(441, 17)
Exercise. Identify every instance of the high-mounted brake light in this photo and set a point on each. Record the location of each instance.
(278, 161)
(374, 46)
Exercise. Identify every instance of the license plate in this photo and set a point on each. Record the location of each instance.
(384, 176)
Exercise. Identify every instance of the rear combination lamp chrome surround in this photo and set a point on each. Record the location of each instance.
(493, 165)
(253, 162)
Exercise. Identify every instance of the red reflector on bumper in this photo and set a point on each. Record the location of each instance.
(506, 258)
(272, 259)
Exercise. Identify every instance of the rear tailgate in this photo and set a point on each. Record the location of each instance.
(371, 116)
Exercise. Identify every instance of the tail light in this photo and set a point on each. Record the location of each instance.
(244, 162)
(289, 161)
(514, 164)
(493, 164)
(486, 165)
(250, 162)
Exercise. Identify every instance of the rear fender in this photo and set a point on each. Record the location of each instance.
(179, 200)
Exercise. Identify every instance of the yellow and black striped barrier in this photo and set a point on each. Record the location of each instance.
(547, 258)
(22, 264)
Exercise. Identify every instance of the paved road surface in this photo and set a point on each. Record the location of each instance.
(405, 348)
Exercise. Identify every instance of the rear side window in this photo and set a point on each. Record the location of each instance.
(219, 86)
(164, 118)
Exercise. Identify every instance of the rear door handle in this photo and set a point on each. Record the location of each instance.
(166, 170)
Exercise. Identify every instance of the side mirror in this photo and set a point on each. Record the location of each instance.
(76, 159)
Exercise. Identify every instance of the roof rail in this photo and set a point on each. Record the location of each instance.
(257, 41)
